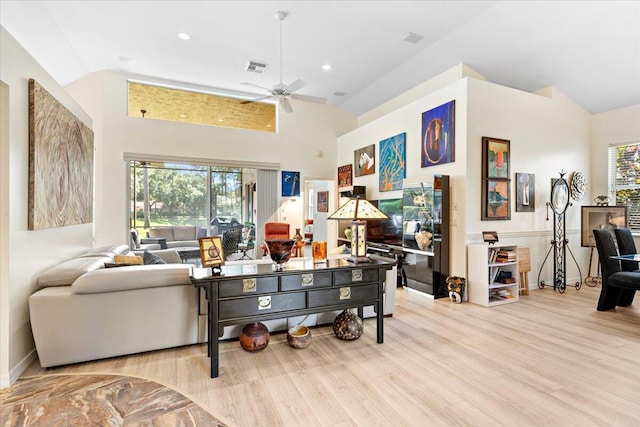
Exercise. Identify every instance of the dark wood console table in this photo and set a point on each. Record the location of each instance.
(255, 292)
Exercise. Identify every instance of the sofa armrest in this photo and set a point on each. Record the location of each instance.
(132, 277)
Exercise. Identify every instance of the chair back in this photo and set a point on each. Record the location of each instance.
(230, 241)
(606, 249)
(626, 246)
(276, 231)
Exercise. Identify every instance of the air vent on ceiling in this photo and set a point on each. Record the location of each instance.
(256, 67)
(339, 93)
(413, 38)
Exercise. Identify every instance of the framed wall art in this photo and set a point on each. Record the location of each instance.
(211, 252)
(495, 200)
(525, 192)
(290, 184)
(392, 163)
(345, 176)
(600, 218)
(438, 135)
(323, 201)
(60, 164)
(365, 160)
(496, 157)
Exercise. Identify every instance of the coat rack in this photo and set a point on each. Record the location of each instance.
(559, 203)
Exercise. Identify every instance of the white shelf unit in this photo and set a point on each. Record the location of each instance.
(481, 273)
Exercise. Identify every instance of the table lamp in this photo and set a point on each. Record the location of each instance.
(358, 210)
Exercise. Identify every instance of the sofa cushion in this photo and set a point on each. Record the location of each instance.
(132, 277)
(148, 258)
(128, 259)
(65, 273)
(163, 232)
(185, 232)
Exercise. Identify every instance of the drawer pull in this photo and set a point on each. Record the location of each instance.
(264, 303)
(248, 285)
(307, 279)
(345, 293)
(356, 275)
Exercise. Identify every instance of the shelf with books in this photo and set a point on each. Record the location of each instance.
(500, 283)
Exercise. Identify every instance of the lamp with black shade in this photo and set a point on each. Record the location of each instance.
(358, 211)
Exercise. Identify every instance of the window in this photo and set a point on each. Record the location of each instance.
(180, 105)
(624, 180)
(183, 194)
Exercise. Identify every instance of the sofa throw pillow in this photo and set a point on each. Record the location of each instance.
(148, 258)
(128, 259)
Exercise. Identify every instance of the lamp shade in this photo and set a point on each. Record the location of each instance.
(358, 210)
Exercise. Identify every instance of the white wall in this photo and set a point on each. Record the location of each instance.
(302, 134)
(615, 127)
(548, 133)
(25, 254)
(409, 119)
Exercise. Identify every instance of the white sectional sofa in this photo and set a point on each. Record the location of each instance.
(84, 311)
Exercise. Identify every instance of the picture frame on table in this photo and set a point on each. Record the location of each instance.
(211, 251)
(600, 218)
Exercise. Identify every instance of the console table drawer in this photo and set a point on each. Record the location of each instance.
(248, 286)
(251, 306)
(345, 294)
(306, 281)
(356, 275)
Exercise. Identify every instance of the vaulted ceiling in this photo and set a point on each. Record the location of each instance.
(589, 50)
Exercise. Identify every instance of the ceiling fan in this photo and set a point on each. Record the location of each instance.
(281, 92)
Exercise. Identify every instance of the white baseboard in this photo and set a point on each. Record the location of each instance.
(7, 379)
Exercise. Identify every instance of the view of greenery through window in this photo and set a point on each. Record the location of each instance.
(627, 181)
(176, 194)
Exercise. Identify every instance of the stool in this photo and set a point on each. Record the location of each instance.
(524, 267)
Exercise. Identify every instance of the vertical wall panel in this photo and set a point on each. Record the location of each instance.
(267, 201)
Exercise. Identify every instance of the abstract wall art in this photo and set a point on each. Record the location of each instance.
(365, 160)
(392, 163)
(290, 184)
(438, 135)
(60, 164)
(345, 176)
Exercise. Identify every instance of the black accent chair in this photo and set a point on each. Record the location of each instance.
(230, 241)
(616, 284)
(626, 246)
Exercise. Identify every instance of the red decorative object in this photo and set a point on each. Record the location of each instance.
(254, 337)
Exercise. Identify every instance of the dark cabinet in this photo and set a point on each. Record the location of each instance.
(425, 214)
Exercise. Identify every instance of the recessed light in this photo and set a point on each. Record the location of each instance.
(221, 120)
(127, 59)
(268, 126)
(326, 67)
(184, 116)
(184, 36)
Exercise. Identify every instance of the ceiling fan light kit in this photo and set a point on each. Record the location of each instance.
(280, 92)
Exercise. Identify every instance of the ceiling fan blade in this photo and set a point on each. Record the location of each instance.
(259, 87)
(316, 99)
(286, 105)
(297, 85)
(262, 98)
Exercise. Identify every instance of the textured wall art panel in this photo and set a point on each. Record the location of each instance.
(60, 164)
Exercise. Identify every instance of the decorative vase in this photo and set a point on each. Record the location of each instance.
(455, 286)
(347, 326)
(297, 237)
(299, 336)
(254, 337)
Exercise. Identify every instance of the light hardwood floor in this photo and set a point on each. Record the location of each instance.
(550, 359)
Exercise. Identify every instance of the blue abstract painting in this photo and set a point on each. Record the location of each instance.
(438, 135)
(290, 184)
(392, 162)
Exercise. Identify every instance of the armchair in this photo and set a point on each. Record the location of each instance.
(230, 241)
(276, 231)
(618, 287)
